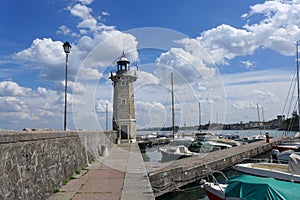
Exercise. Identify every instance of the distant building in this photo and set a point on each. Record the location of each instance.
(255, 124)
(124, 120)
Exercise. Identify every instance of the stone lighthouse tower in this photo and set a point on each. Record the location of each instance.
(123, 104)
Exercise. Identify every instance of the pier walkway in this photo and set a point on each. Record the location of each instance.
(121, 175)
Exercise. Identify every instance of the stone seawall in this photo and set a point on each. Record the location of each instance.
(34, 163)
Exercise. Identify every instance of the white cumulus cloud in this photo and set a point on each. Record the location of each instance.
(9, 88)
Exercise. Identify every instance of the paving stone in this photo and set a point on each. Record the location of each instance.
(73, 185)
(122, 175)
(62, 196)
(96, 196)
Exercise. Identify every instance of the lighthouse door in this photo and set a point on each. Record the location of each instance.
(124, 132)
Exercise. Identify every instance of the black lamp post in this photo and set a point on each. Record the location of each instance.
(67, 49)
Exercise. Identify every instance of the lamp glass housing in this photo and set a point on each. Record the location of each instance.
(67, 47)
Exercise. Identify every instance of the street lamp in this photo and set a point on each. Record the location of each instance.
(67, 48)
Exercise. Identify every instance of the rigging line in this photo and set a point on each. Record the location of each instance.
(289, 92)
(291, 99)
(290, 104)
(292, 121)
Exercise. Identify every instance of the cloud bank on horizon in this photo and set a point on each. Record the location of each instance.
(197, 62)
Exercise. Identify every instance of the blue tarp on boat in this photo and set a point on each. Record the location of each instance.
(253, 187)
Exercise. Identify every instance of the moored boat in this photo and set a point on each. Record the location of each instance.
(284, 156)
(254, 138)
(207, 146)
(285, 147)
(285, 172)
(251, 187)
(175, 152)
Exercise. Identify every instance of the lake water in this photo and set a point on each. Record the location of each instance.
(153, 155)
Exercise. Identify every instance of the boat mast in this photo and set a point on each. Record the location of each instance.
(258, 119)
(298, 93)
(106, 116)
(172, 90)
(199, 116)
(263, 117)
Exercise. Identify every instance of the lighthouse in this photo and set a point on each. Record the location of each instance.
(124, 121)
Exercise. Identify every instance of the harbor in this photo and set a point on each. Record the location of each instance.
(179, 179)
(143, 100)
(165, 177)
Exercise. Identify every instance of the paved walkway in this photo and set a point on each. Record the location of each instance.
(121, 175)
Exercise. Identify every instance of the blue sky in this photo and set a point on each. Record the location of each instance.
(227, 55)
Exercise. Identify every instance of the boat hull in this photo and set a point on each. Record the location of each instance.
(282, 148)
(169, 156)
(213, 194)
(174, 153)
(268, 170)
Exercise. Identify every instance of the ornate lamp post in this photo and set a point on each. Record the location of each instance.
(67, 48)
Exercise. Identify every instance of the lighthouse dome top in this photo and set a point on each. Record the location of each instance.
(123, 58)
(123, 64)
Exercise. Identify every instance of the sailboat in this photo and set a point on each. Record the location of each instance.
(287, 172)
(255, 138)
(178, 146)
(294, 145)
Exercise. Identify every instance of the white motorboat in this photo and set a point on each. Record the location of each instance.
(284, 156)
(175, 152)
(218, 145)
(207, 146)
(286, 172)
(254, 138)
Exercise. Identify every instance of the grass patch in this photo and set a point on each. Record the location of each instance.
(56, 190)
(85, 167)
(77, 171)
(72, 177)
(64, 182)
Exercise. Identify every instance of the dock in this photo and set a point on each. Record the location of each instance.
(169, 176)
(120, 175)
(124, 175)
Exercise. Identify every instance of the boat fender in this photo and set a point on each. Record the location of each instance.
(274, 154)
(202, 182)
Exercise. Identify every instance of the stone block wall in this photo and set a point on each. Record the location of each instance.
(34, 163)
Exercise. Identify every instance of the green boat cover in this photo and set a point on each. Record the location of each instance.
(253, 187)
